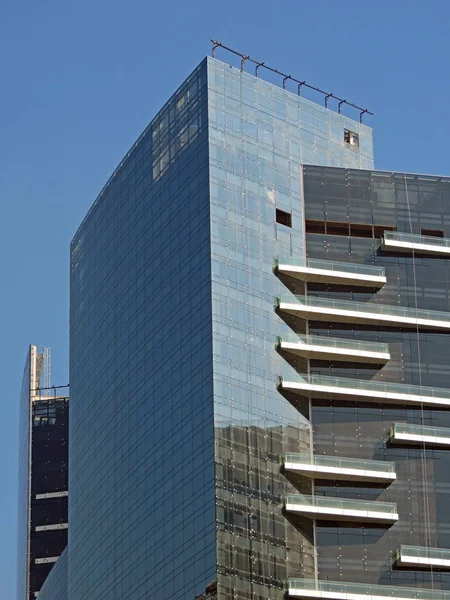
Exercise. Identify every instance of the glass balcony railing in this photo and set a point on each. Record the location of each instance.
(420, 430)
(356, 309)
(340, 463)
(301, 587)
(338, 343)
(422, 552)
(328, 265)
(345, 504)
(412, 238)
(368, 386)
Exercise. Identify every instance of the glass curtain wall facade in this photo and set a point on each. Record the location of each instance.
(349, 214)
(259, 135)
(43, 463)
(245, 332)
(142, 512)
(177, 429)
(55, 585)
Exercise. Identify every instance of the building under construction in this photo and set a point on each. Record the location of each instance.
(43, 473)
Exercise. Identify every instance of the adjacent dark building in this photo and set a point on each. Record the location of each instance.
(43, 491)
(259, 361)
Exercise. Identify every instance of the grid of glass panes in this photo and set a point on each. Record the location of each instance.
(259, 135)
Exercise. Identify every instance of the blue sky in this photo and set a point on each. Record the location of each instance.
(82, 79)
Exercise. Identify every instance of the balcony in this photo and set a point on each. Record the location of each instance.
(340, 388)
(328, 348)
(422, 557)
(421, 244)
(325, 508)
(414, 435)
(343, 469)
(334, 590)
(362, 313)
(46, 560)
(49, 495)
(325, 271)
(53, 527)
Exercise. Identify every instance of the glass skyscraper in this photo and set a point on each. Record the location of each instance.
(258, 361)
(43, 475)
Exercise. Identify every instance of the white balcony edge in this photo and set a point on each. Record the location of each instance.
(51, 495)
(362, 316)
(313, 593)
(428, 248)
(351, 514)
(428, 439)
(341, 471)
(55, 527)
(341, 392)
(330, 274)
(48, 559)
(314, 348)
(406, 561)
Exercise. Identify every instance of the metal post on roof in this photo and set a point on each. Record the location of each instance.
(215, 45)
(300, 84)
(257, 67)
(243, 59)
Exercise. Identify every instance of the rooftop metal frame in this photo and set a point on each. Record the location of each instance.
(245, 58)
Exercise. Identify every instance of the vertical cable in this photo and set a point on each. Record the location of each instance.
(423, 459)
